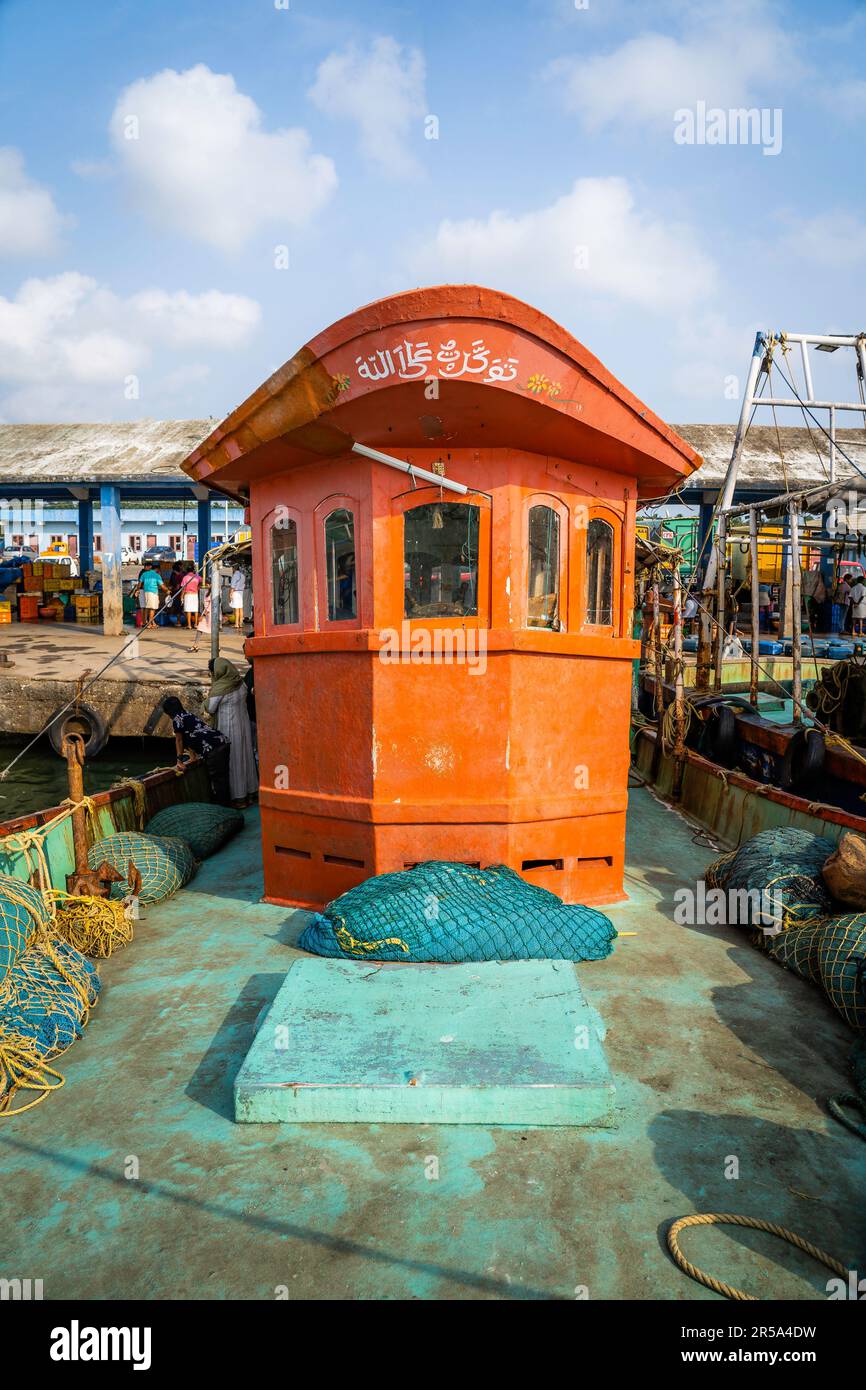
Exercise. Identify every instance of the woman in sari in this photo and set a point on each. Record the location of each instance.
(227, 702)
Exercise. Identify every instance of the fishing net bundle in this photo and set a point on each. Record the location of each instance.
(95, 926)
(165, 864)
(448, 912)
(816, 940)
(204, 826)
(47, 990)
(784, 865)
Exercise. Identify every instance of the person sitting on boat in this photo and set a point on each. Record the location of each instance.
(192, 735)
(227, 702)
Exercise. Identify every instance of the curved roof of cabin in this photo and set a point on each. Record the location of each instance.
(508, 376)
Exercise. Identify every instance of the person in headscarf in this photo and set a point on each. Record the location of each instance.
(192, 735)
(227, 702)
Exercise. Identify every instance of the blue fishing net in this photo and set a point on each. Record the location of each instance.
(449, 912)
(21, 909)
(165, 864)
(40, 1003)
(204, 826)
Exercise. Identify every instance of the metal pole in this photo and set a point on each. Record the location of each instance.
(721, 536)
(658, 701)
(756, 607)
(679, 690)
(797, 682)
(832, 443)
(215, 607)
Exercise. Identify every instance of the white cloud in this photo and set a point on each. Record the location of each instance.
(834, 239)
(196, 159)
(67, 344)
(382, 90)
(593, 241)
(724, 58)
(30, 224)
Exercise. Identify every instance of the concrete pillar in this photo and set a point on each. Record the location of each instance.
(112, 585)
(203, 539)
(85, 534)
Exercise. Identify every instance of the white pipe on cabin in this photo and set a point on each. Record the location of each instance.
(403, 467)
(797, 682)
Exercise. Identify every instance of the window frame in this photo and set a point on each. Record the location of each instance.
(335, 503)
(267, 526)
(424, 496)
(554, 504)
(615, 521)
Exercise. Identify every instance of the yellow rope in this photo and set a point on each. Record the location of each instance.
(29, 842)
(139, 797)
(726, 1219)
(23, 1068)
(348, 942)
(94, 926)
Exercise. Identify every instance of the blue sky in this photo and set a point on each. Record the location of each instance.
(160, 163)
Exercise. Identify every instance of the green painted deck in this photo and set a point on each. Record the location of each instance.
(134, 1181)
(347, 1041)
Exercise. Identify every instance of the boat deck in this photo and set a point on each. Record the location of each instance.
(717, 1054)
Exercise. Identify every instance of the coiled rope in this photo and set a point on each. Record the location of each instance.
(753, 1223)
(94, 926)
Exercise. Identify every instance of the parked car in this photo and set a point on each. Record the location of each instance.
(17, 555)
(159, 554)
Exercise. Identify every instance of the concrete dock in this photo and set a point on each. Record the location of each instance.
(50, 659)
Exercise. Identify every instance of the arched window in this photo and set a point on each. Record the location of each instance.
(284, 571)
(340, 565)
(599, 573)
(543, 569)
(440, 560)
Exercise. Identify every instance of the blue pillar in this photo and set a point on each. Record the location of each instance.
(112, 582)
(203, 539)
(705, 518)
(85, 534)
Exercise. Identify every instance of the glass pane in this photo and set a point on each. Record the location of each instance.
(340, 565)
(284, 571)
(599, 573)
(440, 555)
(543, 596)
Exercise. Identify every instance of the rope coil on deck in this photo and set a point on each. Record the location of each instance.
(752, 1223)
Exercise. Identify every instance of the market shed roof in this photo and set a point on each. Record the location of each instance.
(806, 457)
(140, 452)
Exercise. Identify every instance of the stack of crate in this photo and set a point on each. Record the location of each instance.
(86, 607)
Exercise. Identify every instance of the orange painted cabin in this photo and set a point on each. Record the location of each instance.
(442, 676)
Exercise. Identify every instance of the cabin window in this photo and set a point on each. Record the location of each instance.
(543, 594)
(340, 565)
(440, 560)
(284, 571)
(599, 573)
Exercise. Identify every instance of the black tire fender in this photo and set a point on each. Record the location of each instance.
(84, 720)
(804, 758)
(719, 736)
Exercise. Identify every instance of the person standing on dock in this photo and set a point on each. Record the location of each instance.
(227, 702)
(192, 735)
(858, 606)
(236, 595)
(148, 587)
(189, 589)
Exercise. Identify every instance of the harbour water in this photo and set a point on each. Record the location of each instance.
(39, 779)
